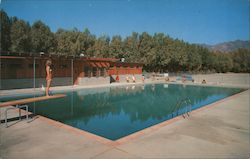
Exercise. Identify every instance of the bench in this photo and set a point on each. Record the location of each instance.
(184, 78)
(162, 76)
(22, 103)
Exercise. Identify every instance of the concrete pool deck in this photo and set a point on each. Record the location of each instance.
(220, 130)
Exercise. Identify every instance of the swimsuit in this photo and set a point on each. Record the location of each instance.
(49, 76)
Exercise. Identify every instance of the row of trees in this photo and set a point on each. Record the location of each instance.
(158, 52)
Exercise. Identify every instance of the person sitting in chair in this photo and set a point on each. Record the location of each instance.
(203, 82)
(127, 79)
(117, 79)
(143, 78)
(133, 78)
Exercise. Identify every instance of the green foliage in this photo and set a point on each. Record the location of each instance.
(157, 52)
(194, 58)
(5, 25)
(87, 42)
(100, 48)
(20, 36)
(241, 60)
(223, 62)
(42, 39)
(116, 47)
(130, 45)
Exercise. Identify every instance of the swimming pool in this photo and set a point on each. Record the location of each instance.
(115, 112)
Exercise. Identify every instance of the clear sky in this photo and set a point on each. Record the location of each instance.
(194, 21)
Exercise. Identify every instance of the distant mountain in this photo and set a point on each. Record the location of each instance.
(228, 46)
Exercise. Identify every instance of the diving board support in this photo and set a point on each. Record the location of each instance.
(23, 103)
(20, 114)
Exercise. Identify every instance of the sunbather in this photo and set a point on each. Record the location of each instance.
(133, 78)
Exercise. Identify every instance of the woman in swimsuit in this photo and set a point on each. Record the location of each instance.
(48, 76)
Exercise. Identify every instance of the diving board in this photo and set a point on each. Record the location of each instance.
(30, 100)
(22, 103)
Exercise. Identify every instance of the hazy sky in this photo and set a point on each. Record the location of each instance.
(194, 21)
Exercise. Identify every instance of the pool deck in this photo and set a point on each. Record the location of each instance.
(219, 130)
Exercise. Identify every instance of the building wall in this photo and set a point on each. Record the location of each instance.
(18, 72)
(125, 70)
(224, 78)
(29, 82)
(94, 80)
(24, 68)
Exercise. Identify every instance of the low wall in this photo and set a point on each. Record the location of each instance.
(94, 80)
(217, 78)
(6, 84)
(138, 78)
(81, 93)
(29, 83)
(225, 78)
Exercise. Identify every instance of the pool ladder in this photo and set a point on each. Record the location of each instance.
(188, 107)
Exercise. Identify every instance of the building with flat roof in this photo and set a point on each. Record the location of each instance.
(22, 70)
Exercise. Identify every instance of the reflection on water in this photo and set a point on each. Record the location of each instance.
(114, 112)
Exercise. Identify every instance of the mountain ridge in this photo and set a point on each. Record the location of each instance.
(228, 46)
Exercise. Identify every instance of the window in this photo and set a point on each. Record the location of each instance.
(95, 73)
(103, 72)
(87, 72)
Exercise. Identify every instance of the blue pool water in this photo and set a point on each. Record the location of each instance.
(115, 112)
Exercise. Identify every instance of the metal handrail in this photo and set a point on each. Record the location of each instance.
(188, 107)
